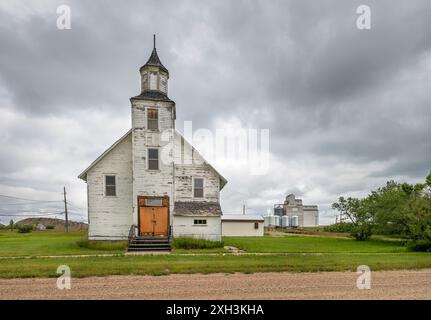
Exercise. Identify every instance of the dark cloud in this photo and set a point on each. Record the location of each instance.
(347, 109)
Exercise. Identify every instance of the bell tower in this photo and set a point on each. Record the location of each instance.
(154, 75)
(153, 125)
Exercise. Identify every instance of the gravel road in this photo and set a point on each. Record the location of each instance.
(323, 285)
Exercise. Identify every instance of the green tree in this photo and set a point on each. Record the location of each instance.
(403, 209)
(357, 212)
(417, 212)
(11, 224)
(386, 205)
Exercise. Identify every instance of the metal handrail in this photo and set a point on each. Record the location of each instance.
(132, 231)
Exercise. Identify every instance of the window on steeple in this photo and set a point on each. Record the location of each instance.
(153, 80)
(163, 83)
(145, 81)
(152, 119)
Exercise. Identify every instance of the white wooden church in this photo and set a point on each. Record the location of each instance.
(151, 183)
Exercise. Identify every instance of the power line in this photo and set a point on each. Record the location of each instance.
(33, 200)
(30, 215)
(26, 203)
(74, 206)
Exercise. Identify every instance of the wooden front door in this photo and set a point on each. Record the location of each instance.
(153, 221)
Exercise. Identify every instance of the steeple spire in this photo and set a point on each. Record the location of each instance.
(154, 76)
(154, 59)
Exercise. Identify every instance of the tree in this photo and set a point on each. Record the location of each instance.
(396, 208)
(386, 205)
(357, 212)
(417, 212)
(403, 209)
(11, 224)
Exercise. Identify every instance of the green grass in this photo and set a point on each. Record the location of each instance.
(301, 244)
(286, 253)
(190, 243)
(49, 243)
(111, 246)
(168, 264)
(199, 251)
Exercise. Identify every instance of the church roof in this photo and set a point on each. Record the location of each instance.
(223, 180)
(83, 175)
(242, 217)
(152, 95)
(195, 208)
(154, 61)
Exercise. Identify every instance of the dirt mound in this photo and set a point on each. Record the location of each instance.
(57, 223)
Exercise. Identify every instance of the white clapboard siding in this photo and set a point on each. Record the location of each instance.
(111, 217)
(184, 228)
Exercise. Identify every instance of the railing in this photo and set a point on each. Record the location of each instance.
(170, 233)
(132, 231)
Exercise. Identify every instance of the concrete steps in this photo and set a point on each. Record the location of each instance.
(149, 244)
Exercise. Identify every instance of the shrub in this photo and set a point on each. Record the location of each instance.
(340, 227)
(419, 245)
(50, 227)
(24, 228)
(191, 243)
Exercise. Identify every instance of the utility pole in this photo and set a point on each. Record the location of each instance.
(65, 210)
(243, 208)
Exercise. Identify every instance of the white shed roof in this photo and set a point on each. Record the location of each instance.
(241, 217)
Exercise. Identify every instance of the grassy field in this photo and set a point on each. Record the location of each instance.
(301, 244)
(168, 264)
(286, 253)
(48, 243)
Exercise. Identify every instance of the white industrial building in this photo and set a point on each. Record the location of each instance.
(293, 214)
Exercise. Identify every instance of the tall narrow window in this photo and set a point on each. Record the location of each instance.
(198, 187)
(110, 186)
(153, 119)
(153, 159)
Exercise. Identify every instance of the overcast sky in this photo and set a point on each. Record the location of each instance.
(347, 109)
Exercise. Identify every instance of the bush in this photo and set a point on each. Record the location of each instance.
(191, 243)
(24, 228)
(50, 227)
(419, 245)
(340, 227)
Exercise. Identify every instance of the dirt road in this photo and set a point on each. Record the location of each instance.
(324, 285)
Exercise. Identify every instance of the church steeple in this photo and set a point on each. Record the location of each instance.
(154, 75)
